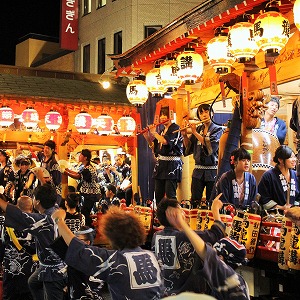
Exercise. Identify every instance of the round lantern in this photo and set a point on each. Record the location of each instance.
(7, 116)
(168, 74)
(126, 125)
(137, 92)
(83, 122)
(218, 55)
(241, 43)
(296, 11)
(53, 120)
(271, 30)
(190, 65)
(153, 82)
(30, 118)
(105, 124)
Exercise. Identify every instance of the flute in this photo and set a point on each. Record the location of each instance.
(147, 128)
(187, 126)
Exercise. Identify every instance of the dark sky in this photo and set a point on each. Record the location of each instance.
(21, 17)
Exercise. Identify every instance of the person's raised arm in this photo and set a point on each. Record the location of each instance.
(217, 204)
(71, 173)
(176, 218)
(59, 219)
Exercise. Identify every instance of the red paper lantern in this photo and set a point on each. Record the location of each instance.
(7, 116)
(83, 122)
(105, 124)
(30, 118)
(126, 126)
(53, 120)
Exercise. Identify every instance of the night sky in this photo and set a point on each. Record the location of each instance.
(22, 17)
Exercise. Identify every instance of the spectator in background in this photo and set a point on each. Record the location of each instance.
(74, 219)
(204, 145)
(123, 179)
(19, 260)
(175, 253)
(130, 271)
(88, 184)
(6, 174)
(271, 123)
(49, 162)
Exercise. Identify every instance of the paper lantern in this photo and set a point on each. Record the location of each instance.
(7, 116)
(168, 74)
(218, 54)
(30, 118)
(271, 30)
(241, 43)
(83, 122)
(190, 65)
(53, 120)
(137, 92)
(105, 124)
(126, 125)
(296, 12)
(153, 82)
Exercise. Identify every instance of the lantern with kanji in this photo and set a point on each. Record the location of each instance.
(190, 65)
(53, 120)
(83, 122)
(137, 92)
(218, 55)
(241, 43)
(126, 125)
(7, 116)
(30, 118)
(154, 83)
(105, 124)
(168, 74)
(271, 30)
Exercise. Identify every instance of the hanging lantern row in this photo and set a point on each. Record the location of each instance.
(83, 121)
(270, 33)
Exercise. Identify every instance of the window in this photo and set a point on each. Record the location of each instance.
(101, 3)
(86, 7)
(101, 56)
(118, 42)
(151, 29)
(86, 59)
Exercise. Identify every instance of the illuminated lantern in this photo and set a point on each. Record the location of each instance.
(285, 240)
(236, 227)
(296, 11)
(153, 82)
(241, 43)
(126, 125)
(271, 30)
(7, 116)
(30, 118)
(83, 122)
(53, 120)
(137, 92)
(294, 249)
(168, 74)
(218, 54)
(105, 124)
(190, 65)
(205, 219)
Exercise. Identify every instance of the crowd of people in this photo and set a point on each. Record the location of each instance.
(47, 241)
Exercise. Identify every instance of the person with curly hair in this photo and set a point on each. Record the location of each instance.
(238, 185)
(130, 271)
